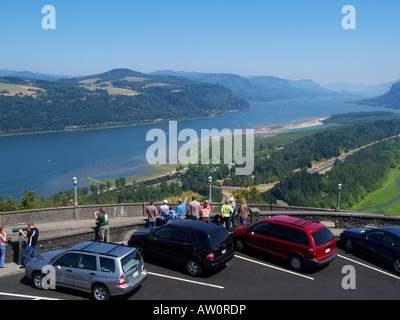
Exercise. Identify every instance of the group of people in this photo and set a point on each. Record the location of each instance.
(197, 211)
(32, 234)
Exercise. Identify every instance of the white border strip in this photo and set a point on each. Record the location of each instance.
(367, 266)
(186, 280)
(26, 296)
(273, 267)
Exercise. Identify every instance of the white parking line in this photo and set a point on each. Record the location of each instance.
(367, 266)
(26, 296)
(186, 280)
(273, 267)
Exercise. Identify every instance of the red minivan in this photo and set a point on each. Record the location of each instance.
(300, 241)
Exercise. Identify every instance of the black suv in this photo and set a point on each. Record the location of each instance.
(196, 244)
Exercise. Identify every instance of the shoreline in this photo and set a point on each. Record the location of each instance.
(303, 124)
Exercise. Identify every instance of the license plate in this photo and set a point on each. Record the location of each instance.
(135, 274)
(327, 250)
(224, 251)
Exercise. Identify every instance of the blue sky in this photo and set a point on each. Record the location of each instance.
(294, 39)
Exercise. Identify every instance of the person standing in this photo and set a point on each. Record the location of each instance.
(205, 211)
(162, 210)
(243, 211)
(226, 211)
(151, 211)
(181, 208)
(194, 209)
(30, 250)
(3, 237)
(232, 217)
(104, 228)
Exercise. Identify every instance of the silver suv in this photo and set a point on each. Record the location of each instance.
(100, 268)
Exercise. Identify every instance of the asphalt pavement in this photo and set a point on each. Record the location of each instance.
(48, 228)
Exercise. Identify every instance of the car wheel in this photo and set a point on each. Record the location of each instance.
(38, 280)
(296, 262)
(396, 265)
(193, 267)
(100, 292)
(349, 244)
(240, 244)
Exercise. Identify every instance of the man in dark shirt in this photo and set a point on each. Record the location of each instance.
(30, 249)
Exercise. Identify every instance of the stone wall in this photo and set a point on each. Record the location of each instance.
(65, 239)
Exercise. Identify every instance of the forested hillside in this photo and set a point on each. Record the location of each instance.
(116, 97)
(363, 172)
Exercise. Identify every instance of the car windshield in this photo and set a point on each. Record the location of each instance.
(322, 236)
(218, 236)
(130, 261)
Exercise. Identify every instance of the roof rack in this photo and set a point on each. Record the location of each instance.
(110, 252)
(296, 223)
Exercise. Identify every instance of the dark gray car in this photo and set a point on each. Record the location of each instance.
(102, 269)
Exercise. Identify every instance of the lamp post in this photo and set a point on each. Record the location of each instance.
(75, 180)
(210, 181)
(339, 186)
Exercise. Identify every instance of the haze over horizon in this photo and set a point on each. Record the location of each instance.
(289, 39)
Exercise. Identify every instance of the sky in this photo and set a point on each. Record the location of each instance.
(292, 39)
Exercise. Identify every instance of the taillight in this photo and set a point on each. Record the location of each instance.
(313, 251)
(121, 280)
(210, 256)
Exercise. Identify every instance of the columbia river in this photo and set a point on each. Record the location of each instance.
(47, 162)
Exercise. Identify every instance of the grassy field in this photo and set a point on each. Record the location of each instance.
(388, 192)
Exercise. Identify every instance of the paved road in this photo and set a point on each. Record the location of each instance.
(248, 276)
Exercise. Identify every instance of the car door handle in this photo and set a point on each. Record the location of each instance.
(68, 270)
(92, 274)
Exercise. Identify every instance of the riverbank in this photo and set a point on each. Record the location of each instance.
(308, 123)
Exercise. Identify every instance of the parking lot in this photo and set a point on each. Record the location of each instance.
(248, 276)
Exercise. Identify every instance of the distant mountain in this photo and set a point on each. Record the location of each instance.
(372, 90)
(390, 99)
(258, 88)
(31, 75)
(116, 97)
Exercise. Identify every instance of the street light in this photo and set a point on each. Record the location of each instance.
(210, 181)
(75, 180)
(339, 186)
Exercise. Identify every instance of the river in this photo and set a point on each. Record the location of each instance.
(47, 162)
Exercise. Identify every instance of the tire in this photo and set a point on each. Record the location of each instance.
(37, 280)
(239, 244)
(396, 265)
(193, 267)
(100, 292)
(296, 262)
(349, 244)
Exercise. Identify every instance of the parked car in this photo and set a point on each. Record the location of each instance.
(100, 268)
(300, 241)
(382, 243)
(195, 244)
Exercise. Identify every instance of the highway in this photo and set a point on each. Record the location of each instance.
(248, 276)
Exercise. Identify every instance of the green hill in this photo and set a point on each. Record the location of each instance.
(116, 97)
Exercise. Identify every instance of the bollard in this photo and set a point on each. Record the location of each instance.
(21, 243)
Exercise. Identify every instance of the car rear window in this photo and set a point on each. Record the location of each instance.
(130, 261)
(218, 236)
(322, 236)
